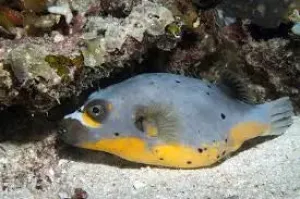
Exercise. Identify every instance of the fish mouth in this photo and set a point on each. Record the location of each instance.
(72, 132)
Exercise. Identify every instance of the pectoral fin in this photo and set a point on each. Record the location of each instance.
(159, 121)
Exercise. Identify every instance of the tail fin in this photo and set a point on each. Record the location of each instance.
(281, 115)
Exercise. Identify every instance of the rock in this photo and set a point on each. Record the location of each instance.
(266, 13)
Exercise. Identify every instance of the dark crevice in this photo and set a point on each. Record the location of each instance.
(17, 124)
(260, 33)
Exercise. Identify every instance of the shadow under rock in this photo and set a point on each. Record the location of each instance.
(18, 125)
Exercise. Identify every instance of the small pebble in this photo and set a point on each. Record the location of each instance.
(138, 185)
(63, 195)
(58, 38)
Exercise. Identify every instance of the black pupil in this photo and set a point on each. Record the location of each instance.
(96, 110)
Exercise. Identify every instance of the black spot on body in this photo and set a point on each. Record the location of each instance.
(161, 159)
(116, 134)
(207, 93)
(189, 162)
(226, 140)
(200, 150)
(209, 86)
(177, 81)
(218, 157)
(223, 153)
(205, 149)
(223, 116)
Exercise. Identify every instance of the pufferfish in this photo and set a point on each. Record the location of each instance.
(173, 121)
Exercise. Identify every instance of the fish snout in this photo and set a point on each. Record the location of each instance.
(72, 131)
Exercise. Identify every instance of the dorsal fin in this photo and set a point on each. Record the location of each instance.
(161, 119)
(234, 86)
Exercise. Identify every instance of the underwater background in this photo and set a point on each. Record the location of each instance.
(54, 53)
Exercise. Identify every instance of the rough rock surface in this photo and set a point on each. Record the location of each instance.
(46, 58)
(90, 39)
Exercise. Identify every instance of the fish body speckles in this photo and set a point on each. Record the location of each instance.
(172, 120)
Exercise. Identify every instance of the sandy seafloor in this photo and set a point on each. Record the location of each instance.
(270, 170)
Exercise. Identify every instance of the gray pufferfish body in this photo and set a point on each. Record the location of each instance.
(172, 120)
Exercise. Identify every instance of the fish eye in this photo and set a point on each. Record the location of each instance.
(97, 110)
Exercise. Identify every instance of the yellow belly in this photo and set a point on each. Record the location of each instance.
(176, 155)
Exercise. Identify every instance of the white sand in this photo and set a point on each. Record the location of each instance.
(270, 170)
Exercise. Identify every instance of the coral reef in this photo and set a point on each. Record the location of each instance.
(42, 69)
(267, 13)
(52, 47)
